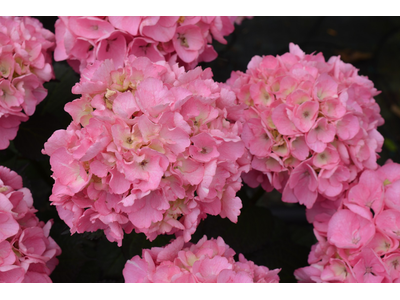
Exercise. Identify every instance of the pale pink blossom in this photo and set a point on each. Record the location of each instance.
(149, 149)
(184, 40)
(208, 261)
(25, 64)
(358, 234)
(27, 252)
(298, 108)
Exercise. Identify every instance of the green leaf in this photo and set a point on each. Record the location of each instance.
(390, 145)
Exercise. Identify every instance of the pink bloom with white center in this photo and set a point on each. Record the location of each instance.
(305, 114)
(27, 252)
(184, 40)
(359, 233)
(188, 41)
(337, 271)
(25, 64)
(208, 261)
(298, 107)
(149, 149)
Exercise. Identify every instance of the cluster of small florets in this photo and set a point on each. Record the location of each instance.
(358, 235)
(25, 64)
(186, 40)
(27, 252)
(309, 124)
(208, 261)
(149, 148)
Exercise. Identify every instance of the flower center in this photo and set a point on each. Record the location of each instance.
(387, 246)
(386, 182)
(143, 163)
(183, 40)
(129, 140)
(204, 150)
(368, 270)
(355, 240)
(395, 263)
(145, 47)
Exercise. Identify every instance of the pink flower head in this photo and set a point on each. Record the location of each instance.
(27, 252)
(359, 233)
(298, 107)
(207, 261)
(149, 149)
(186, 40)
(25, 64)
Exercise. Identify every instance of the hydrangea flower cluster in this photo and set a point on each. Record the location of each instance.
(310, 125)
(208, 261)
(27, 252)
(25, 64)
(186, 40)
(149, 149)
(358, 235)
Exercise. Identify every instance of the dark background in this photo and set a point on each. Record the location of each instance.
(269, 232)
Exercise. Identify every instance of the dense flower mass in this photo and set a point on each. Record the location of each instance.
(207, 261)
(25, 64)
(309, 124)
(27, 252)
(186, 40)
(358, 235)
(149, 149)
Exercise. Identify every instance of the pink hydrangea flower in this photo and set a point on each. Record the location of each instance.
(207, 261)
(150, 149)
(309, 124)
(186, 40)
(25, 64)
(358, 234)
(27, 252)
